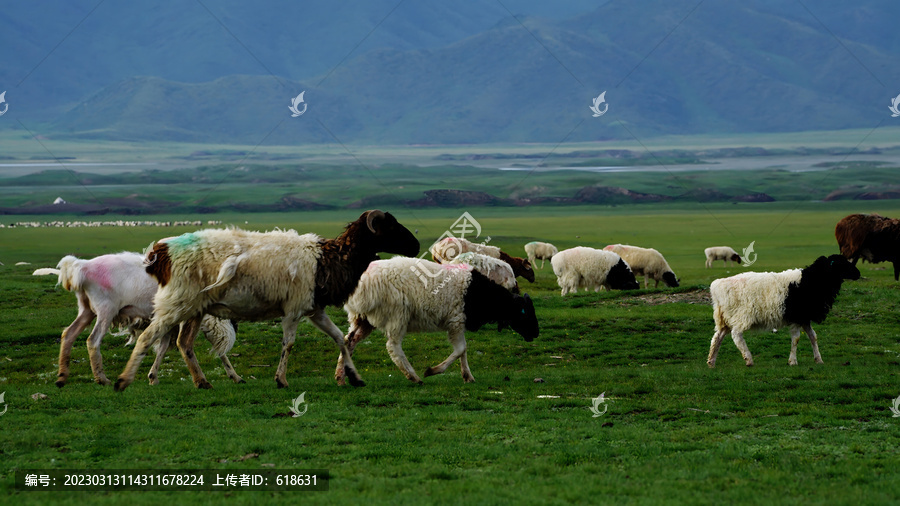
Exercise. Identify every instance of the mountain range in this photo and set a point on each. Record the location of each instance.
(383, 72)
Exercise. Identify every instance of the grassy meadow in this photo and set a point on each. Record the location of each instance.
(674, 431)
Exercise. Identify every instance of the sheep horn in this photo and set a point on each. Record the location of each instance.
(375, 213)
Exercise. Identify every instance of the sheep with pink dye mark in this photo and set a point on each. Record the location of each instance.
(449, 248)
(116, 290)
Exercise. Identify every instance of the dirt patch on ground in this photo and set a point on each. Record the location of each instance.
(692, 297)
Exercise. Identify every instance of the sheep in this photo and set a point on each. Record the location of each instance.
(646, 262)
(871, 237)
(448, 248)
(244, 275)
(494, 269)
(391, 296)
(591, 268)
(116, 290)
(770, 300)
(542, 250)
(724, 253)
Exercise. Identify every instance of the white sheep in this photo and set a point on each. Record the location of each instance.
(494, 269)
(724, 253)
(646, 262)
(583, 267)
(245, 275)
(116, 290)
(448, 248)
(403, 295)
(770, 300)
(542, 250)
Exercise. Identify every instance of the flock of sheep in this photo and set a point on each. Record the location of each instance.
(206, 280)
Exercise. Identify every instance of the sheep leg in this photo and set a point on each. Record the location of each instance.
(647, 281)
(321, 320)
(714, 346)
(795, 338)
(161, 350)
(360, 329)
(93, 346)
(85, 317)
(738, 338)
(158, 328)
(896, 271)
(229, 369)
(815, 344)
(395, 350)
(458, 340)
(186, 336)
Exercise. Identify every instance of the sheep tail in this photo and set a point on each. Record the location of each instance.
(70, 275)
(220, 333)
(226, 272)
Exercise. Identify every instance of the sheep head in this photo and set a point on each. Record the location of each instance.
(523, 320)
(669, 279)
(388, 234)
(839, 267)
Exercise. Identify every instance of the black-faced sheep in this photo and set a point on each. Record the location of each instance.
(116, 290)
(393, 296)
(542, 250)
(646, 262)
(258, 276)
(583, 267)
(871, 237)
(724, 253)
(448, 248)
(770, 300)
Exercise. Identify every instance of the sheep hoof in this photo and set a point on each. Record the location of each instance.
(120, 385)
(239, 380)
(153, 379)
(712, 365)
(204, 385)
(430, 372)
(281, 384)
(353, 377)
(61, 382)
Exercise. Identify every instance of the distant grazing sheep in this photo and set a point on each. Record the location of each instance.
(770, 300)
(871, 237)
(259, 276)
(724, 253)
(449, 247)
(587, 268)
(494, 269)
(646, 262)
(393, 297)
(117, 291)
(542, 250)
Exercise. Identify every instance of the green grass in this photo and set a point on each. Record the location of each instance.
(675, 431)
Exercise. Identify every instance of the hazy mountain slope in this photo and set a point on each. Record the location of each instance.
(727, 67)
